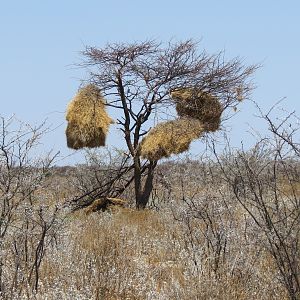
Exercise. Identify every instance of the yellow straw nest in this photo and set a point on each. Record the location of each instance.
(198, 105)
(172, 137)
(88, 121)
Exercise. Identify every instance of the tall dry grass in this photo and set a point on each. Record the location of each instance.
(132, 254)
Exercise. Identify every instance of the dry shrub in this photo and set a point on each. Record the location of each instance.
(198, 105)
(172, 137)
(108, 260)
(288, 187)
(146, 254)
(88, 121)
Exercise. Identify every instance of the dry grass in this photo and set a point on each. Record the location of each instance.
(88, 121)
(200, 244)
(146, 255)
(172, 137)
(198, 105)
(289, 187)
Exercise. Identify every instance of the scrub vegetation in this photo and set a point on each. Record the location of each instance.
(222, 227)
(141, 222)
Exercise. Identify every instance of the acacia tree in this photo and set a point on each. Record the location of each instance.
(137, 79)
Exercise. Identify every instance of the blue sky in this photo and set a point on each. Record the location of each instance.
(40, 40)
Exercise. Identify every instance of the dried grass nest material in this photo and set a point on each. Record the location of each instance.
(88, 121)
(171, 137)
(105, 203)
(198, 105)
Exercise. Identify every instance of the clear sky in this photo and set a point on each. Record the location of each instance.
(40, 40)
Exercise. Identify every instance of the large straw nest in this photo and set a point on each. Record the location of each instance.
(172, 137)
(88, 121)
(198, 105)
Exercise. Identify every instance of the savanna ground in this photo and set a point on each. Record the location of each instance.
(225, 226)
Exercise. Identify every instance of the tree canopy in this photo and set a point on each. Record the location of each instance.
(139, 78)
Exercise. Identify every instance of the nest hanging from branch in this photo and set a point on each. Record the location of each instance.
(171, 137)
(198, 105)
(88, 121)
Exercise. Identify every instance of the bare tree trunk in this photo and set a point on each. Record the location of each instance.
(143, 192)
(149, 182)
(137, 180)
